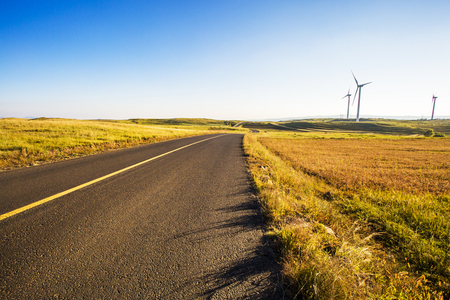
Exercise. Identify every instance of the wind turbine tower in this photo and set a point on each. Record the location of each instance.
(348, 106)
(433, 100)
(358, 89)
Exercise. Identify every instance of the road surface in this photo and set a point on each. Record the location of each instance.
(184, 225)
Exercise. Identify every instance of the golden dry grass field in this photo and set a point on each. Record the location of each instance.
(357, 217)
(415, 165)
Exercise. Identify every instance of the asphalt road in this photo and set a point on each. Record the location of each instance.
(182, 226)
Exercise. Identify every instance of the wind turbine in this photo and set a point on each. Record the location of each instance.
(433, 100)
(348, 107)
(358, 89)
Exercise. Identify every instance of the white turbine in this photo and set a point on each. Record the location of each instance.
(348, 106)
(433, 100)
(358, 89)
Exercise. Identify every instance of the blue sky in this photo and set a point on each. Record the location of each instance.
(238, 59)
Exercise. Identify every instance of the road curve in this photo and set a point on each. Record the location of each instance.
(182, 226)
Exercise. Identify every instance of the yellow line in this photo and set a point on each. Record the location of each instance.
(45, 200)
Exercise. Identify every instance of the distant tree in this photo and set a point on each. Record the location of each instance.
(429, 132)
(230, 123)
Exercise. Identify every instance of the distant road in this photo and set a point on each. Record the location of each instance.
(239, 124)
(183, 225)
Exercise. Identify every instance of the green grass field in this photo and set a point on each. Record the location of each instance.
(26, 142)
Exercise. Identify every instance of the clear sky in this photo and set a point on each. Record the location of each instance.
(222, 59)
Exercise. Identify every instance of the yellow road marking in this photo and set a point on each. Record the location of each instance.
(45, 200)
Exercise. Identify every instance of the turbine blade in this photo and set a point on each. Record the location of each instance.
(366, 83)
(355, 78)
(348, 94)
(356, 93)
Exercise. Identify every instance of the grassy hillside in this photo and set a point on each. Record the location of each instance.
(183, 122)
(261, 126)
(29, 142)
(372, 126)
